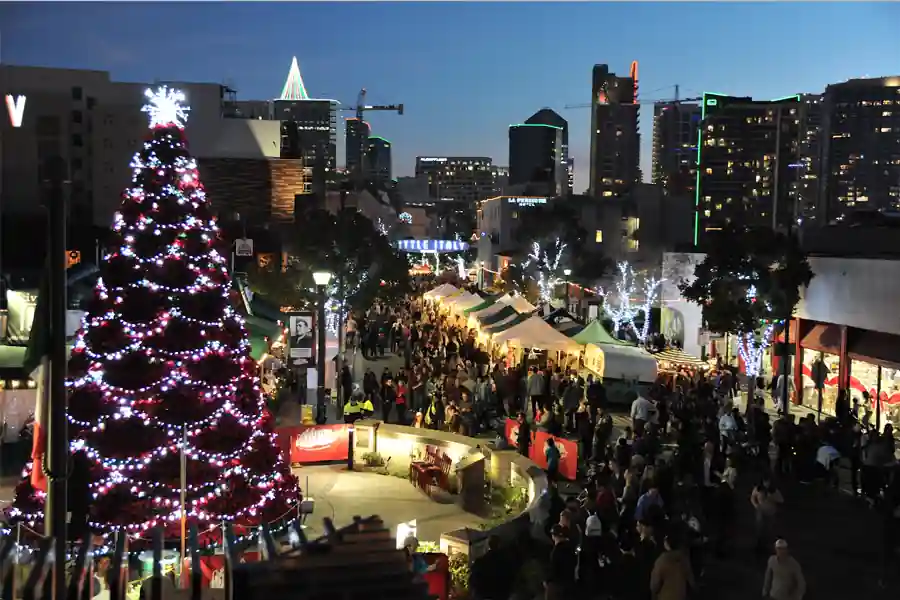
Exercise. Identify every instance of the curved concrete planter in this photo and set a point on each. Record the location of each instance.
(400, 444)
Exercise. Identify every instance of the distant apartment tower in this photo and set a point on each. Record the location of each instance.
(675, 129)
(747, 169)
(570, 174)
(861, 147)
(810, 159)
(378, 160)
(615, 139)
(463, 179)
(356, 134)
(308, 129)
(539, 152)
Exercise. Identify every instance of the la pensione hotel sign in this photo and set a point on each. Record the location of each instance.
(15, 108)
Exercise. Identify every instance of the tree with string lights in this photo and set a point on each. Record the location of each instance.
(748, 284)
(161, 367)
(544, 265)
(624, 311)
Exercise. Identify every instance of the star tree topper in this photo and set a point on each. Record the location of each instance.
(166, 107)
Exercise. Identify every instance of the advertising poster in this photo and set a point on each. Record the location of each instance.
(302, 336)
(568, 449)
(317, 443)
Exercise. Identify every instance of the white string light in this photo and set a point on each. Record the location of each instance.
(546, 268)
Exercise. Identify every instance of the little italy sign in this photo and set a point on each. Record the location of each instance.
(15, 107)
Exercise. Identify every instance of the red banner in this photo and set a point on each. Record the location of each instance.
(568, 449)
(316, 443)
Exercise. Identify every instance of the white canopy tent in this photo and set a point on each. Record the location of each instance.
(622, 362)
(517, 302)
(536, 333)
(462, 301)
(441, 291)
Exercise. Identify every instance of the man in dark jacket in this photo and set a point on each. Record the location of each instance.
(560, 581)
(523, 438)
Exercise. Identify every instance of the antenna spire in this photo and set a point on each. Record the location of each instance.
(293, 87)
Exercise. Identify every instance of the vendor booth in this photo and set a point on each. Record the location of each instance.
(518, 303)
(672, 359)
(564, 322)
(458, 304)
(622, 366)
(536, 336)
(441, 291)
(485, 303)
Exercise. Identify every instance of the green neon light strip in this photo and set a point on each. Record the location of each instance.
(534, 125)
(378, 137)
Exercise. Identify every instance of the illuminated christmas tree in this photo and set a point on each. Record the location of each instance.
(161, 367)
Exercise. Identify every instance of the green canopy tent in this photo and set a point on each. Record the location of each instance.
(595, 333)
(487, 302)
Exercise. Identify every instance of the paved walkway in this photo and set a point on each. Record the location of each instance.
(340, 494)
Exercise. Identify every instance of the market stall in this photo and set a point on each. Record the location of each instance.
(441, 291)
(672, 359)
(457, 304)
(491, 316)
(533, 332)
(519, 303)
(610, 358)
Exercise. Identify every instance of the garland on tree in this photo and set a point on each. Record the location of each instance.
(161, 367)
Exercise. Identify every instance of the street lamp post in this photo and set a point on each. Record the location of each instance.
(322, 278)
(567, 272)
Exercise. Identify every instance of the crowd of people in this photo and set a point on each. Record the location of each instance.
(658, 498)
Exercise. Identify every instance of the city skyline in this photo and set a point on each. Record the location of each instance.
(464, 83)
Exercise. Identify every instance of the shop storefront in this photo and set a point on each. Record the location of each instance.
(832, 357)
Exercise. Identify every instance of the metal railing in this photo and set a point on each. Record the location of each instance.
(82, 569)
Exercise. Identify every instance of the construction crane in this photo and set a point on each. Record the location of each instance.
(675, 100)
(361, 108)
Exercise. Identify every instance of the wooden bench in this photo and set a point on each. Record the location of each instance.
(433, 471)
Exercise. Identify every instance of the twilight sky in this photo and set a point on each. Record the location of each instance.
(465, 71)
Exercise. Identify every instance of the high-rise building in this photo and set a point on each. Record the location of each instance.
(308, 129)
(675, 129)
(615, 139)
(378, 160)
(464, 179)
(861, 147)
(747, 170)
(810, 159)
(570, 174)
(539, 152)
(356, 133)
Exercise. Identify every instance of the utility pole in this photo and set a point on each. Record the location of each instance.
(55, 511)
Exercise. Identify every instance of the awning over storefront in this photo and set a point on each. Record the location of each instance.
(874, 347)
(824, 337)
